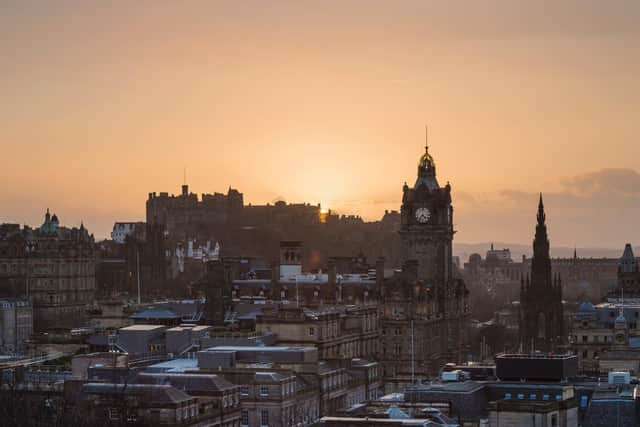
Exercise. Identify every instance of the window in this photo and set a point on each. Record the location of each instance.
(312, 331)
(244, 391)
(507, 395)
(264, 391)
(585, 354)
(584, 338)
(520, 396)
(114, 414)
(584, 402)
(244, 418)
(533, 397)
(264, 418)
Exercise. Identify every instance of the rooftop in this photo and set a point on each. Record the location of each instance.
(142, 328)
(174, 365)
(261, 348)
(155, 314)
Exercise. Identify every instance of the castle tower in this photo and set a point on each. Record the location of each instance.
(541, 322)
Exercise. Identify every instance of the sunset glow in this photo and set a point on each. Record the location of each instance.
(325, 102)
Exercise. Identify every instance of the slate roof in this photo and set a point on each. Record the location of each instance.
(191, 383)
(151, 393)
(155, 314)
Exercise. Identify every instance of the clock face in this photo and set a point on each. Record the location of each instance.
(422, 215)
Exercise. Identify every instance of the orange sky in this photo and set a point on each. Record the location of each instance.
(325, 101)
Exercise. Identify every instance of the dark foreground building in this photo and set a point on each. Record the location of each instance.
(541, 322)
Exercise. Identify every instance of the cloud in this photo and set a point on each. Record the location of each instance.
(623, 182)
(597, 209)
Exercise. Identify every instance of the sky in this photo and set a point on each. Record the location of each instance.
(326, 102)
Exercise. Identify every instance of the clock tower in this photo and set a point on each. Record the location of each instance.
(427, 226)
(427, 298)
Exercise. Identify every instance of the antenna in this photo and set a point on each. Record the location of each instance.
(426, 138)
(184, 176)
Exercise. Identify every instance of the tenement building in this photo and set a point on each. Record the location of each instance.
(605, 336)
(541, 321)
(52, 265)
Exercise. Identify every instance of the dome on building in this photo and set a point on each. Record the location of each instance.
(427, 172)
(426, 160)
(586, 307)
(54, 218)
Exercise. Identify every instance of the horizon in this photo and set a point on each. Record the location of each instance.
(326, 103)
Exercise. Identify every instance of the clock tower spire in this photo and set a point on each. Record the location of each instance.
(427, 225)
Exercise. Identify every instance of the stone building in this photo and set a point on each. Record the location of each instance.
(425, 299)
(338, 332)
(52, 265)
(424, 307)
(628, 275)
(184, 213)
(157, 404)
(541, 313)
(606, 336)
(16, 324)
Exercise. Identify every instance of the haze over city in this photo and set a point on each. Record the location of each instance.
(326, 102)
(337, 213)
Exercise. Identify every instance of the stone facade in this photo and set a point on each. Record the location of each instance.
(16, 324)
(605, 336)
(54, 266)
(338, 332)
(424, 309)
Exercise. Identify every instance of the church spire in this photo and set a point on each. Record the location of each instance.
(541, 215)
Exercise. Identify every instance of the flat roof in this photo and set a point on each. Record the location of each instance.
(449, 387)
(174, 365)
(271, 348)
(195, 328)
(142, 328)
